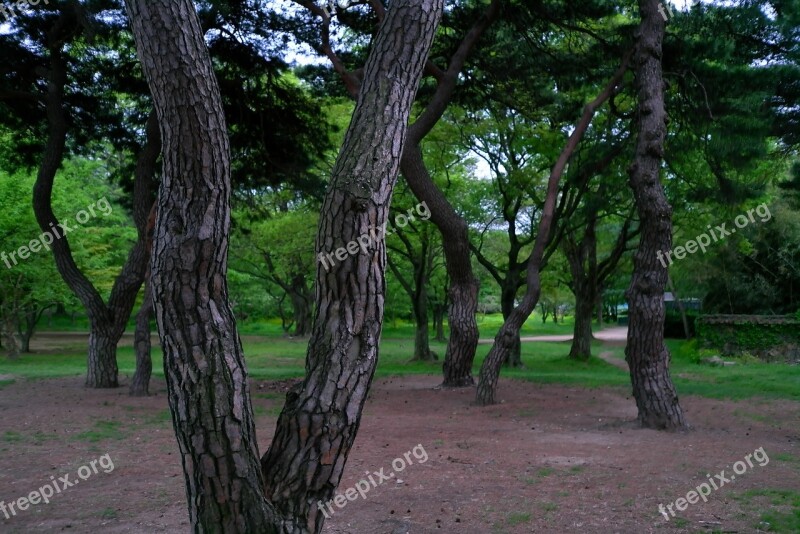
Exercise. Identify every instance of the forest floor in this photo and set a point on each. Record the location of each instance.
(548, 458)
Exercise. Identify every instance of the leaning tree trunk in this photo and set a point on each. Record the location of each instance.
(318, 425)
(204, 364)
(646, 353)
(504, 340)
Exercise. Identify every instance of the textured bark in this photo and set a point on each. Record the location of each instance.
(318, 424)
(646, 353)
(463, 291)
(509, 332)
(203, 362)
(582, 258)
(204, 365)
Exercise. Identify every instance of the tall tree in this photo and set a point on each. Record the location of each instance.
(645, 352)
(463, 290)
(505, 339)
(227, 488)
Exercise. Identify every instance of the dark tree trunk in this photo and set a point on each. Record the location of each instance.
(504, 340)
(422, 348)
(439, 311)
(581, 348)
(140, 383)
(646, 353)
(507, 297)
(107, 322)
(301, 311)
(463, 292)
(582, 258)
(229, 490)
(317, 427)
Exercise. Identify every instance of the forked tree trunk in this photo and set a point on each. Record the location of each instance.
(206, 376)
(646, 353)
(107, 321)
(506, 336)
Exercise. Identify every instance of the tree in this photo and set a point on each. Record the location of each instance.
(463, 290)
(505, 339)
(645, 352)
(228, 489)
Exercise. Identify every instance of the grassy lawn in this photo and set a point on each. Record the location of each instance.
(276, 357)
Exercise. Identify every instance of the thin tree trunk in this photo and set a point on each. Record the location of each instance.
(228, 489)
(504, 340)
(140, 383)
(422, 348)
(646, 353)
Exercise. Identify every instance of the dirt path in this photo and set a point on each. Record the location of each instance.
(547, 459)
(614, 333)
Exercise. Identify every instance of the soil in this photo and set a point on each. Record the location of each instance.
(548, 458)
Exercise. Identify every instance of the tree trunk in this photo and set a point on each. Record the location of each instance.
(504, 340)
(507, 296)
(439, 311)
(422, 349)
(205, 369)
(107, 322)
(463, 292)
(318, 425)
(301, 311)
(581, 348)
(646, 353)
(140, 383)
(102, 359)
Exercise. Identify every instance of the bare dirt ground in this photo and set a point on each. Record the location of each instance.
(547, 459)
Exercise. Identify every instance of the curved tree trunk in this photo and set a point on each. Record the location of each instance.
(229, 490)
(107, 322)
(646, 353)
(504, 340)
(463, 291)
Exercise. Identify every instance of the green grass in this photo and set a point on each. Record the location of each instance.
(783, 508)
(102, 430)
(278, 357)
